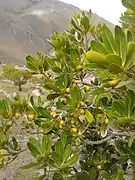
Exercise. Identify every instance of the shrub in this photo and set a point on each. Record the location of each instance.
(86, 129)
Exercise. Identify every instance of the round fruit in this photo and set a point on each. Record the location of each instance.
(82, 103)
(62, 122)
(99, 167)
(95, 57)
(87, 88)
(31, 117)
(60, 126)
(67, 90)
(17, 115)
(82, 111)
(74, 130)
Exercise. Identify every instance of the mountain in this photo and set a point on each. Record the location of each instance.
(25, 26)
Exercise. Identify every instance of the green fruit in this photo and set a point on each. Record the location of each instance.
(60, 126)
(82, 111)
(95, 57)
(99, 167)
(31, 117)
(87, 88)
(62, 122)
(111, 83)
(82, 103)
(74, 130)
(67, 90)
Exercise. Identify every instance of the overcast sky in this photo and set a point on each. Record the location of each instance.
(108, 9)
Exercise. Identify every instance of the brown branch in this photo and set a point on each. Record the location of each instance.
(11, 151)
(114, 134)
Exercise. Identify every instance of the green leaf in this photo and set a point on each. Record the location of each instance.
(52, 96)
(108, 40)
(51, 86)
(123, 120)
(56, 158)
(33, 149)
(106, 175)
(59, 149)
(103, 130)
(85, 23)
(119, 107)
(75, 25)
(71, 161)
(57, 176)
(98, 47)
(46, 145)
(115, 69)
(63, 138)
(32, 63)
(120, 175)
(75, 96)
(67, 153)
(130, 4)
(130, 103)
(114, 59)
(121, 43)
(131, 140)
(29, 165)
(89, 117)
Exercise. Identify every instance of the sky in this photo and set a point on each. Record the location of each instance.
(109, 9)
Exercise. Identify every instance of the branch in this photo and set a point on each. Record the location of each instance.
(114, 134)
(15, 152)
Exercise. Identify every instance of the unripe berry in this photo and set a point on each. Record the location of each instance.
(87, 88)
(31, 117)
(62, 122)
(99, 167)
(82, 103)
(82, 111)
(74, 130)
(67, 90)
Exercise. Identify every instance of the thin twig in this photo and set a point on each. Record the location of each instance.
(16, 152)
(114, 134)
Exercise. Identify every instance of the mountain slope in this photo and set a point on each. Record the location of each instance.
(25, 26)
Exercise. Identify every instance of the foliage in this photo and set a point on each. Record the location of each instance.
(16, 75)
(85, 128)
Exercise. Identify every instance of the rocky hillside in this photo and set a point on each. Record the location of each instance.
(25, 26)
